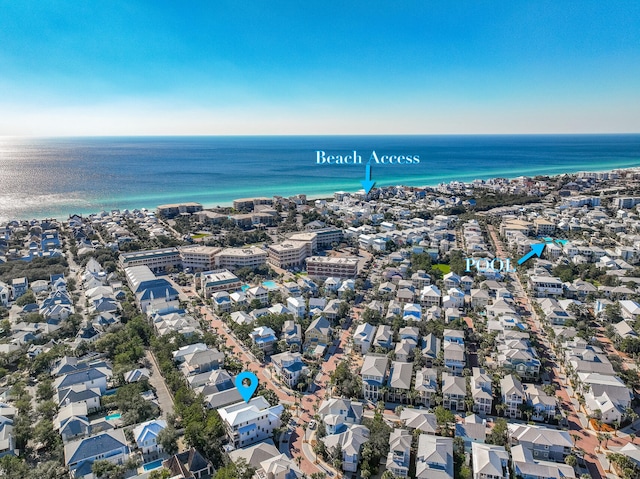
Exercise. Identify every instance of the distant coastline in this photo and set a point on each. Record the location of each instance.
(62, 176)
(315, 197)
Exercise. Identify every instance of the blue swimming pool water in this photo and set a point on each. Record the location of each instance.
(269, 284)
(111, 417)
(244, 287)
(150, 466)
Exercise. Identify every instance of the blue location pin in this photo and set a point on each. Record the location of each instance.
(246, 391)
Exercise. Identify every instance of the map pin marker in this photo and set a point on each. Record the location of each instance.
(246, 391)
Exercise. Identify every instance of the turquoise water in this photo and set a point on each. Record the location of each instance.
(150, 466)
(59, 176)
(245, 287)
(269, 284)
(111, 417)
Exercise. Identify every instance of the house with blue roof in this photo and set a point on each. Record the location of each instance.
(80, 455)
(146, 435)
(290, 367)
(264, 337)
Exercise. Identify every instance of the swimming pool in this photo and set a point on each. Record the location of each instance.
(111, 417)
(269, 284)
(150, 466)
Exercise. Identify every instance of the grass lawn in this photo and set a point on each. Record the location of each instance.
(200, 235)
(445, 268)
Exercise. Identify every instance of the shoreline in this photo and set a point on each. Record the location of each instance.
(310, 197)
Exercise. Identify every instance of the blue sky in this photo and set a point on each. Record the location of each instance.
(251, 67)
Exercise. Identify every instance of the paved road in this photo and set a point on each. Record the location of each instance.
(157, 381)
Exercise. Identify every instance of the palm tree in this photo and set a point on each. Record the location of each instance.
(606, 437)
(600, 438)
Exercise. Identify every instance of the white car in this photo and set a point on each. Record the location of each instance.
(312, 424)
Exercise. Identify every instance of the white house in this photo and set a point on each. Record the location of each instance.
(248, 423)
(146, 435)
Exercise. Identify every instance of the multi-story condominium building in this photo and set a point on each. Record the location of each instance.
(289, 254)
(327, 236)
(235, 258)
(426, 384)
(325, 267)
(248, 423)
(155, 259)
(454, 391)
(512, 395)
(290, 367)
(434, 458)
(247, 204)
(198, 258)
(626, 202)
(219, 280)
(544, 443)
(544, 227)
(373, 372)
(399, 457)
(489, 461)
(310, 238)
(172, 210)
(481, 391)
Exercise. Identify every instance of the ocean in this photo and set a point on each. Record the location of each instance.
(56, 177)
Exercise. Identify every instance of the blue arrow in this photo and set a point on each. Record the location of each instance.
(536, 249)
(367, 184)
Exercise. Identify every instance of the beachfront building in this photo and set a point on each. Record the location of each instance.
(235, 258)
(198, 257)
(219, 280)
(247, 204)
(155, 259)
(289, 254)
(172, 210)
(325, 267)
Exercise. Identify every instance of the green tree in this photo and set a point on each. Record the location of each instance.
(499, 433)
(27, 298)
(168, 440)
